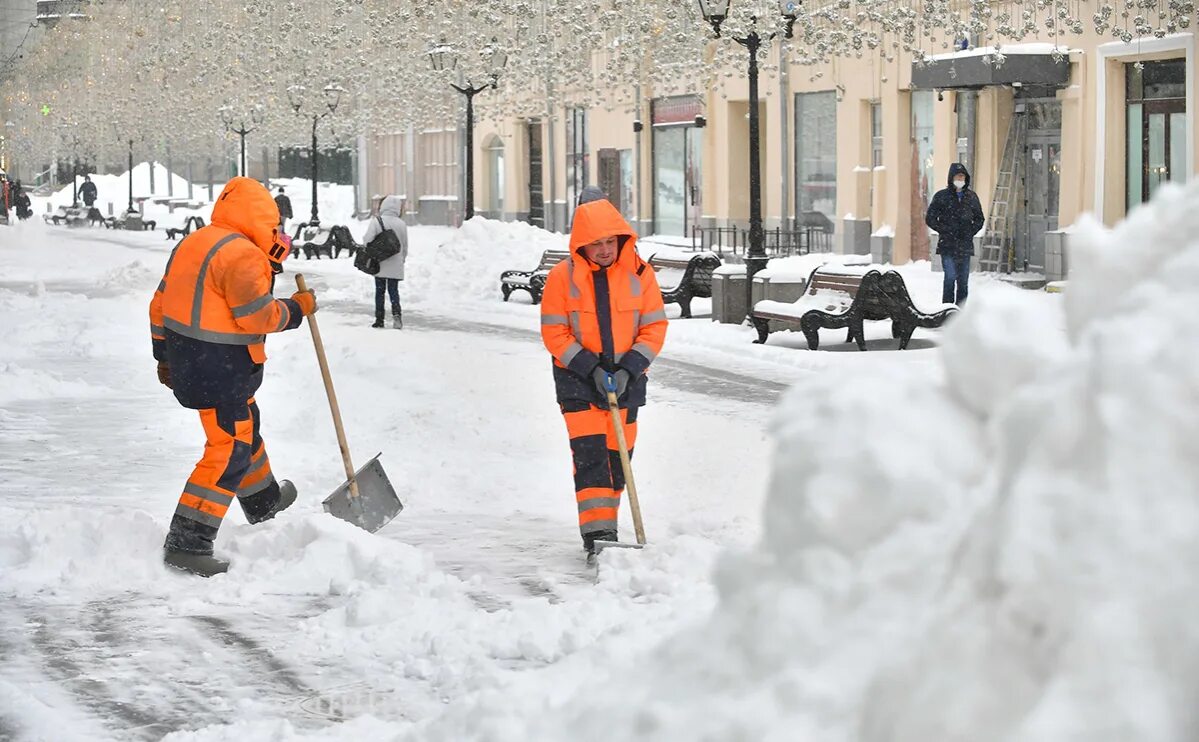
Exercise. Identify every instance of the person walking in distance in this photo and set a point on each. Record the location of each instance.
(956, 215)
(391, 270)
(284, 203)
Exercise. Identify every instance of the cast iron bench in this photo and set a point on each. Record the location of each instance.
(844, 299)
(531, 281)
(191, 222)
(70, 216)
(113, 222)
(683, 279)
(338, 239)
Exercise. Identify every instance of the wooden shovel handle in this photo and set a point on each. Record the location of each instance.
(302, 285)
(627, 465)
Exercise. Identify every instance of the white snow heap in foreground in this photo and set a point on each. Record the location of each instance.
(1007, 553)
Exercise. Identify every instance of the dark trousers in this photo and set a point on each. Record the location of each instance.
(957, 275)
(390, 286)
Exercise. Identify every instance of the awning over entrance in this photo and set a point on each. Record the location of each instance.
(1023, 64)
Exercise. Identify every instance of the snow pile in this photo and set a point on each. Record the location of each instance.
(115, 188)
(1005, 553)
(133, 276)
(467, 267)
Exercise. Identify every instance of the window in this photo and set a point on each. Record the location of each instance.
(439, 159)
(392, 165)
(816, 154)
(495, 178)
(677, 165)
(576, 154)
(1157, 127)
(876, 134)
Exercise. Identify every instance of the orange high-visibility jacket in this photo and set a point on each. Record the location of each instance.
(214, 307)
(592, 316)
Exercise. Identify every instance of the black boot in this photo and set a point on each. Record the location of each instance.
(589, 539)
(189, 548)
(269, 502)
(378, 320)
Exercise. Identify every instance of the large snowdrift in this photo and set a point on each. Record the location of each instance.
(1004, 553)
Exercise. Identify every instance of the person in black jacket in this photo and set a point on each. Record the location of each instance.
(87, 192)
(284, 204)
(956, 215)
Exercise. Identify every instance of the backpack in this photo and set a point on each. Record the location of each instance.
(386, 244)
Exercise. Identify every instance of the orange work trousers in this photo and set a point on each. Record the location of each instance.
(599, 478)
(235, 464)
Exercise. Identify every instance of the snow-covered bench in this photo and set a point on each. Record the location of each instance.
(337, 238)
(115, 222)
(847, 297)
(684, 278)
(68, 215)
(531, 281)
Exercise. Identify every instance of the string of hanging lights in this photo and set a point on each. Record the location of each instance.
(167, 68)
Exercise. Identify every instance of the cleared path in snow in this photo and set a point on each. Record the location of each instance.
(104, 643)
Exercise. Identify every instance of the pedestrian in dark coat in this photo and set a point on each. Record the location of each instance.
(284, 204)
(87, 191)
(956, 215)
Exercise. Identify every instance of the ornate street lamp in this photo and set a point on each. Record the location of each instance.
(227, 118)
(295, 96)
(715, 12)
(442, 57)
(116, 130)
(70, 136)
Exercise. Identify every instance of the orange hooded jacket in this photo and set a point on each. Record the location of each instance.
(592, 316)
(213, 307)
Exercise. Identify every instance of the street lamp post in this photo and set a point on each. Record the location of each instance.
(242, 130)
(715, 12)
(71, 138)
(443, 57)
(116, 130)
(295, 95)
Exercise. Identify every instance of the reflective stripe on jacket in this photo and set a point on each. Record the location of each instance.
(593, 316)
(213, 308)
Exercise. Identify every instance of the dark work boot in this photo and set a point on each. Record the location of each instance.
(589, 539)
(378, 320)
(189, 548)
(268, 503)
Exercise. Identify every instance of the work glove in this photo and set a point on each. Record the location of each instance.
(164, 374)
(306, 300)
(600, 377)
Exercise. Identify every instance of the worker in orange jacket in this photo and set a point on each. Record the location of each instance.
(208, 322)
(601, 314)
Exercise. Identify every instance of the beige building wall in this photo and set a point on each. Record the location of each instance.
(1093, 141)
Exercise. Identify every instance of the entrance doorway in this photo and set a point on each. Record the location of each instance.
(1042, 169)
(1157, 127)
(536, 200)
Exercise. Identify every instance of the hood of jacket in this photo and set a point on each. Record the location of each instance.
(597, 220)
(956, 168)
(392, 206)
(246, 206)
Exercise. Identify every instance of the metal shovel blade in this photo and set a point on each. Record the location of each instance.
(601, 545)
(376, 504)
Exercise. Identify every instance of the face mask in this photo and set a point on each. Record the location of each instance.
(959, 184)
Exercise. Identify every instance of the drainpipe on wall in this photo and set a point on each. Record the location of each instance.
(637, 159)
(784, 107)
(551, 212)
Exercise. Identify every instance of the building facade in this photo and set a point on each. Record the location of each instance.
(851, 153)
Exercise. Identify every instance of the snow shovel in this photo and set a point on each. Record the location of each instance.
(367, 498)
(627, 466)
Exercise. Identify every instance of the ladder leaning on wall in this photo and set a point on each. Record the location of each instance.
(998, 248)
